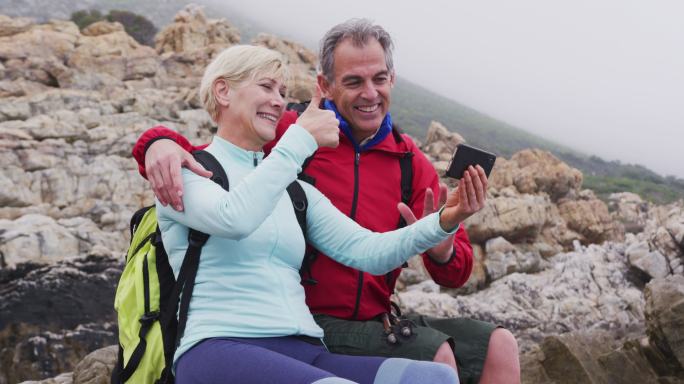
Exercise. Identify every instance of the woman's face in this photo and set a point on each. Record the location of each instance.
(255, 107)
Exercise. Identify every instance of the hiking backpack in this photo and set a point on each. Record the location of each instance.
(148, 296)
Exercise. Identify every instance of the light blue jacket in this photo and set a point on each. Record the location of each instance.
(248, 282)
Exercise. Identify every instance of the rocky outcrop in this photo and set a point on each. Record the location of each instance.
(52, 316)
(601, 357)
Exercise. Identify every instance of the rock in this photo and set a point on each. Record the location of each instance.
(515, 218)
(581, 290)
(535, 171)
(665, 317)
(52, 316)
(629, 209)
(589, 217)
(11, 26)
(191, 31)
(502, 258)
(102, 28)
(97, 367)
(654, 264)
(440, 144)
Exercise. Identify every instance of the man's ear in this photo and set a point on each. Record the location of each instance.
(221, 91)
(393, 78)
(325, 86)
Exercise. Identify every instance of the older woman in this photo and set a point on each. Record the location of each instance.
(248, 321)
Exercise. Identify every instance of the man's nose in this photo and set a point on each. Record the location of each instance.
(369, 91)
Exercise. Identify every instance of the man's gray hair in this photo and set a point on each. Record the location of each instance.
(359, 31)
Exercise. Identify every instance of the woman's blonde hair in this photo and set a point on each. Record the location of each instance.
(237, 65)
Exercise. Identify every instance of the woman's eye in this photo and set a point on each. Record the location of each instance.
(267, 86)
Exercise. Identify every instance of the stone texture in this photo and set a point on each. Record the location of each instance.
(52, 316)
(440, 143)
(533, 171)
(589, 217)
(665, 316)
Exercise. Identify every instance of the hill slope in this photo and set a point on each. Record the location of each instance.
(413, 107)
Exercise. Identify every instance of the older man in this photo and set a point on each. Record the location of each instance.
(380, 179)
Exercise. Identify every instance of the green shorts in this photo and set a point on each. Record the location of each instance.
(469, 339)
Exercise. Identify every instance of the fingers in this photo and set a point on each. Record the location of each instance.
(443, 194)
(162, 181)
(175, 187)
(155, 180)
(316, 98)
(193, 165)
(429, 203)
(406, 213)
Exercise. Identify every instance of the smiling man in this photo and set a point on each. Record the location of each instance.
(380, 179)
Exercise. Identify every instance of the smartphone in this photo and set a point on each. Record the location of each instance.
(465, 156)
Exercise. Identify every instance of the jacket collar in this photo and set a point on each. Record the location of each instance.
(382, 133)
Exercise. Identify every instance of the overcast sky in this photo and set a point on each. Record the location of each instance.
(605, 77)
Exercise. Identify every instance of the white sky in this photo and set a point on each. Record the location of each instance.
(605, 77)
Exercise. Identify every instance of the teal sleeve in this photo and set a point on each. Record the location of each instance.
(339, 237)
(237, 213)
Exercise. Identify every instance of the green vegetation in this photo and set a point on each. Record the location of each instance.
(413, 107)
(139, 27)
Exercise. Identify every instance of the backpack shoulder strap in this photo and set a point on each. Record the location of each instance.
(196, 239)
(300, 204)
(406, 166)
(210, 163)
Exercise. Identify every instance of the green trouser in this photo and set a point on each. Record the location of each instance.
(469, 339)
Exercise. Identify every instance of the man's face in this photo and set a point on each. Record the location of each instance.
(361, 86)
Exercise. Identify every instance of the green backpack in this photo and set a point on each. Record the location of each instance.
(151, 304)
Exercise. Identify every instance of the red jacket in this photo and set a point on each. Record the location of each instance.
(372, 187)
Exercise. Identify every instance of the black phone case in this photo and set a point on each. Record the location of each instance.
(466, 156)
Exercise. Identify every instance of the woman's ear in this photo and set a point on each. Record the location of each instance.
(221, 91)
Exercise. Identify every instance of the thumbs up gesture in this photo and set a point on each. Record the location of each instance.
(321, 124)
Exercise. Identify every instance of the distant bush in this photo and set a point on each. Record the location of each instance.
(138, 26)
(84, 18)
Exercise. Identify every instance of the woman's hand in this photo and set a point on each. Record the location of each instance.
(469, 197)
(321, 123)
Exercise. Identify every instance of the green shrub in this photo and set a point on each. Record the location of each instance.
(139, 27)
(84, 18)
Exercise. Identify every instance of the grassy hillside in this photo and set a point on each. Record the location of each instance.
(413, 107)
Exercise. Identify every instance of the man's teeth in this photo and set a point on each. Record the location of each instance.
(368, 108)
(267, 116)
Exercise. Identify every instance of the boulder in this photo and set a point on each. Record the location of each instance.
(665, 317)
(589, 217)
(192, 31)
(533, 171)
(52, 316)
(440, 143)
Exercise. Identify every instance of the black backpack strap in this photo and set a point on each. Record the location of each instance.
(406, 165)
(185, 283)
(137, 217)
(210, 163)
(300, 205)
(305, 177)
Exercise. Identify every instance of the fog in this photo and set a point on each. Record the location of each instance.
(605, 77)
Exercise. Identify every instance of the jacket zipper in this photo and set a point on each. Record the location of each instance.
(255, 159)
(357, 159)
